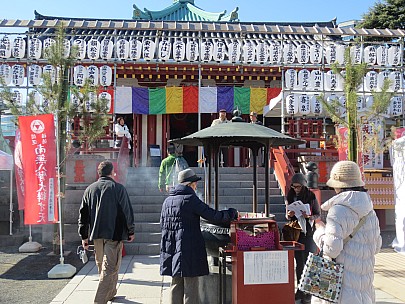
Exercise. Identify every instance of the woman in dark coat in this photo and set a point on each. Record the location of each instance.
(300, 192)
(182, 249)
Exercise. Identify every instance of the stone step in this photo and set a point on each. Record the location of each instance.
(150, 227)
(142, 248)
(147, 237)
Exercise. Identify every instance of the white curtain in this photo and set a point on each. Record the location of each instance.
(398, 164)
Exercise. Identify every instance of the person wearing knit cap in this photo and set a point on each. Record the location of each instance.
(183, 255)
(253, 119)
(342, 239)
(300, 192)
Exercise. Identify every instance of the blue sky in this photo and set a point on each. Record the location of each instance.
(253, 10)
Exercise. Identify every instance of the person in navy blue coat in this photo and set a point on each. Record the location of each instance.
(182, 248)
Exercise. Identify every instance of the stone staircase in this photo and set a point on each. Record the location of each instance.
(235, 190)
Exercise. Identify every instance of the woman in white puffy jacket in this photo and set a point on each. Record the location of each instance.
(121, 130)
(345, 209)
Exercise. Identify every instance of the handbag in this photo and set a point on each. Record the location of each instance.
(322, 277)
(291, 231)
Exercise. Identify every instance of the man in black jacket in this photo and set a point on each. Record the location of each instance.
(107, 212)
(182, 249)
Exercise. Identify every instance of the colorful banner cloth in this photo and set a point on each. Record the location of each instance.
(173, 100)
(38, 144)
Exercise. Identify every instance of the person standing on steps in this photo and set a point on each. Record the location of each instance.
(300, 192)
(223, 150)
(107, 219)
(183, 255)
(121, 130)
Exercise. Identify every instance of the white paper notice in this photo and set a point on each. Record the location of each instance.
(265, 267)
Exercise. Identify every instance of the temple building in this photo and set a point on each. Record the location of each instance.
(169, 72)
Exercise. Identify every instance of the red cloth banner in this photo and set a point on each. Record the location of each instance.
(399, 132)
(343, 145)
(18, 169)
(38, 145)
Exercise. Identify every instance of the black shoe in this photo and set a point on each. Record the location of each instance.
(299, 295)
(306, 299)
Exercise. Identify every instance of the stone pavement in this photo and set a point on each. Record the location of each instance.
(140, 282)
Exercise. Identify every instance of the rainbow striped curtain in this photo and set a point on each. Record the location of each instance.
(172, 100)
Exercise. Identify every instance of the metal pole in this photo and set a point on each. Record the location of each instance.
(59, 193)
(11, 202)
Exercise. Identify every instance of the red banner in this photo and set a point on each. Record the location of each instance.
(343, 145)
(38, 145)
(399, 132)
(18, 168)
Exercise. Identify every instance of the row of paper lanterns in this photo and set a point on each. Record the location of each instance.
(310, 105)
(18, 98)
(15, 74)
(218, 50)
(317, 80)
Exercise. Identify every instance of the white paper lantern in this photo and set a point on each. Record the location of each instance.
(381, 78)
(105, 76)
(179, 50)
(219, 50)
(79, 75)
(290, 79)
(18, 49)
(135, 49)
(48, 42)
(207, 49)
(50, 69)
(37, 98)
(165, 48)
(81, 48)
(275, 52)
(5, 47)
(289, 51)
(316, 106)
(394, 55)
(34, 75)
(291, 103)
(192, 50)
(93, 49)
(106, 49)
(5, 73)
(356, 52)
(17, 97)
(262, 53)
(370, 54)
(303, 104)
(395, 78)
(108, 98)
(76, 102)
(371, 81)
(66, 48)
(382, 55)
(92, 74)
(234, 51)
(90, 101)
(34, 48)
(122, 49)
(18, 74)
(331, 81)
(342, 101)
(315, 53)
(249, 52)
(335, 53)
(360, 103)
(396, 106)
(316, 80)
(303, 53)
(148, 49)
(304, 77)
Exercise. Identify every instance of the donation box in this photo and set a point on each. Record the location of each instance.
(262, 266)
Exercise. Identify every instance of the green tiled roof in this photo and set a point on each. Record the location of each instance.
(183, 10)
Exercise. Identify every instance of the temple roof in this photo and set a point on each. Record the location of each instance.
(183, 10)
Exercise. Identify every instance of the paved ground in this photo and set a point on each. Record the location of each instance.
(23, 278)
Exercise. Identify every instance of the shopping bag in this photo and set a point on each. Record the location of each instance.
(322, 278)
(291, 231)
